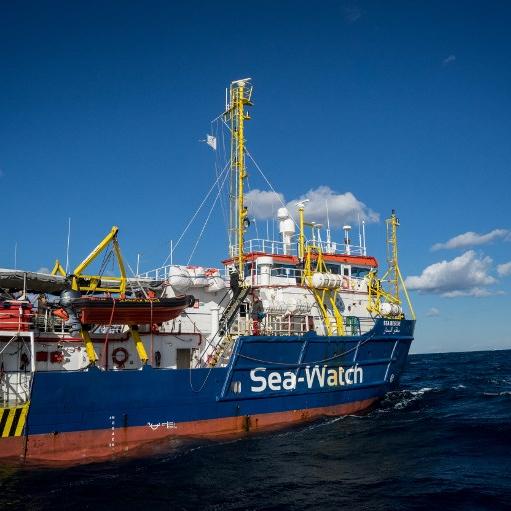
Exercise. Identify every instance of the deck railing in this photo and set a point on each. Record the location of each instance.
(273, 247)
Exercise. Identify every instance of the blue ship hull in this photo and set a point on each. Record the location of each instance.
(269, 381)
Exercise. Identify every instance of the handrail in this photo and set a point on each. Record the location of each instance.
(275, 247)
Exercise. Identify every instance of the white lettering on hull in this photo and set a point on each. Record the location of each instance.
(314, 376)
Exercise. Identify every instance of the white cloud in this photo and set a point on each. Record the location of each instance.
(471, 239)
(263, 204)
(449, 60)
(342, 207)
(433, 312)
(466, 275)
(504, 269)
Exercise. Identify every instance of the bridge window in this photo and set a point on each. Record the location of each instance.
(359, 272)
(283, 270)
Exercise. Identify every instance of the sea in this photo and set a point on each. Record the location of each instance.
(441, 442)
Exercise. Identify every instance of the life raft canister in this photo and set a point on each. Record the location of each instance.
(120, 356)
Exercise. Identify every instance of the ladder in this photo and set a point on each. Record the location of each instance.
(231, 310)
(228, 316)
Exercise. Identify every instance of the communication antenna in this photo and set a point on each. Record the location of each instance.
(301, 236)
(68, 241)
(138, 264)
(360, 236)
(328, 238)
(364, 236)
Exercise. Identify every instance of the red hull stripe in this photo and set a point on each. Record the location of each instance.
(86, 446)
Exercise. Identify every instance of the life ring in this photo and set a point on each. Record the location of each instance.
(120, 356)
(345, 282)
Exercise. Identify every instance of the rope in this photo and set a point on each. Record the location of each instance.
(194, 215)
(5, 347)
(255, 220)
(268, 183)
(203, 383)
(317, 362)
(218, 160)
(194, 324)
(262, 174)
(136, 278)
(207, 218)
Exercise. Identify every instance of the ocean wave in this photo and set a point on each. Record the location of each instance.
(403, 399)
(497, 394)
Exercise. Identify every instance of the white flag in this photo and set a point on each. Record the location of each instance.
(211, 141)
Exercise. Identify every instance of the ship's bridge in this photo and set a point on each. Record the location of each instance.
(271, 262)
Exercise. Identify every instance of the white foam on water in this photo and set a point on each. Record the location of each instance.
(403, 398)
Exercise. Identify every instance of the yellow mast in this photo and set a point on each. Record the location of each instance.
(301, 235)
(392, 224)
(392, 277)
(240, 95)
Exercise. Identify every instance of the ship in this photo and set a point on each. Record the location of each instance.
(284, 331)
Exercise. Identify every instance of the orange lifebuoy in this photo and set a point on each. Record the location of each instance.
(120, 356)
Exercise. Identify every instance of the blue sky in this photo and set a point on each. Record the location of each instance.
(403, 105)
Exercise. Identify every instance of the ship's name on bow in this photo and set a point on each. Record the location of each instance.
(314, 376)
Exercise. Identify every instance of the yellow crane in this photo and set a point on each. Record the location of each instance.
(83, 282)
